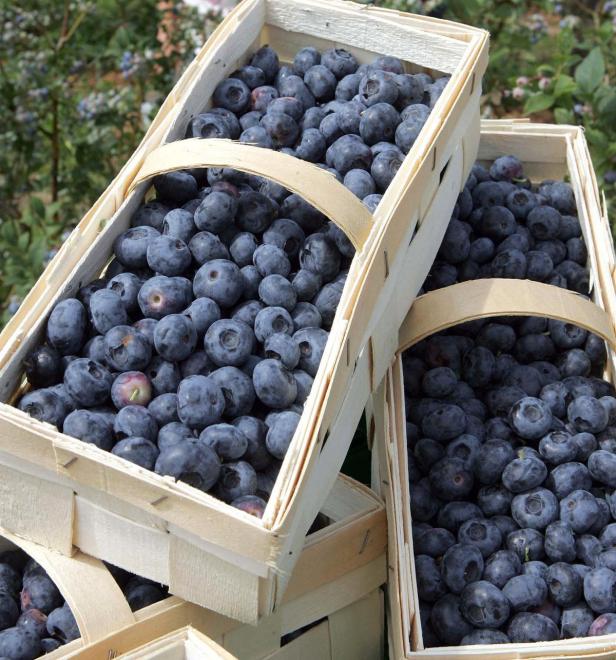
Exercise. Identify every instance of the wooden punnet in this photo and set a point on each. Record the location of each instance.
(547, 152)
(337, 578)
(64, 494)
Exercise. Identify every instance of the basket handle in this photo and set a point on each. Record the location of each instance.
(95, 599)
(315, 185)
(477, 299)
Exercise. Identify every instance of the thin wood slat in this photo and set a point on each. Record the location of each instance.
(315, 185)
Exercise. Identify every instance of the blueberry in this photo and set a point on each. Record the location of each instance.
(588, 549)
(461, 565)
(444, 423)
(148, 215)
(600, 590)
(163, 409)
(526, 543)
(174, 433)
(576, 621)
(311, 343)
(434, 542)
(340, 62)
(280, 433)
(236, 480)
(157, 297)
(220, 280)
(306, 315)
(295, 87)
(251, 279)
(237, 390)
(88, 382)
(535, 568)
(266, 59)
(327, 300)
(378, 124)
(61, 624)
(226, 440)
(580, 510)
(272, 320)
(251, 504)
(141, 451)
(274, 384)
(478, 366)
(484, 636)
(202, 312)
(232, 94)
(384, 168)
(602, 467)
(40, 593)
(481, 533)
(178, 187)
(247, 312)
(453, 514)
(430, 585)
(525, 591)
(304, 385)
(229, 342)
(135, 421)
(131, 387)
(522, 474)
(347, 153)
(447, 620)
(424, 504)
(164, 376)
(18, 643)
(89, 427)
(377, 87)
(484, 605)
(535, 508)
(531, 627)
(531, 418)
(191, 462)
(127, 349)
(465, 447)
(494, 500)
(500, 567)
(66, 326)
(216, 212)
(250, 75)
(587, 414)
(43, 366)
(306, 58)
(200, 401)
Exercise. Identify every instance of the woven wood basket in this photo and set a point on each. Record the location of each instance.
(547, 152)
(337, 579)
(63, 494)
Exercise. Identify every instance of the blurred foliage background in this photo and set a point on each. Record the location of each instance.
(80, 80)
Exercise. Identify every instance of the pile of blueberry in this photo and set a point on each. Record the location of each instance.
(195, 352)
(356, 121)
(512, 456)
(503, 226)
(34, 617)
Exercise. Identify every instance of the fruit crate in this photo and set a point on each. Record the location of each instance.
(547, 152)
(66, 495)
(335, 585)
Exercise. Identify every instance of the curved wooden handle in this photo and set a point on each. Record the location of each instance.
(95, 599)
(315, 185)
(477, 299)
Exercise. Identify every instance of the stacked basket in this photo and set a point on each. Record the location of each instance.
(548, 152)
(69, 496)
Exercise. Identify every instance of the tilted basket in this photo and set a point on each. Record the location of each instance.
(63, 494)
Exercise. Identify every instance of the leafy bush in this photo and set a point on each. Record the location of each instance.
(79, 82)
(552, 61)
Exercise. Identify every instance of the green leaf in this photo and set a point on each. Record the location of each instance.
(591, 70)
(563, 116)
(607, 103)
(538, 102)
(564, 85)
(38, 208)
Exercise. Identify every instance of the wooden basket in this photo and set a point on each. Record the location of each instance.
(63, 493)
(551, 153)
(337, 578)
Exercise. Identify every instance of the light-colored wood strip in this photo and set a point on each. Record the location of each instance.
(445, 308)
(315, 185)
